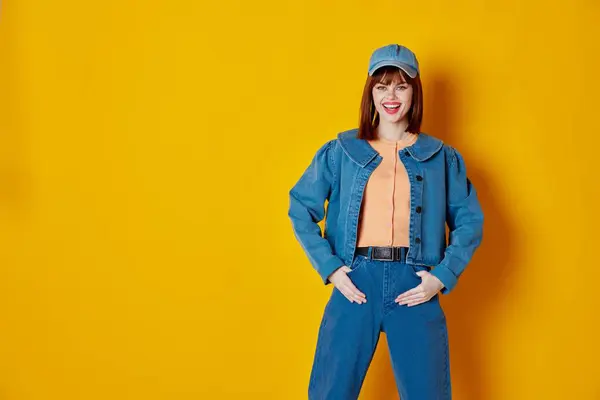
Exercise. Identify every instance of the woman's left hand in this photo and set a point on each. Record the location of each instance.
(422, 293)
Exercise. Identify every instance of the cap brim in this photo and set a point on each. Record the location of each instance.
(404, 67)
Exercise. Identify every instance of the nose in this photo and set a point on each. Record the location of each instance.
(390, 93)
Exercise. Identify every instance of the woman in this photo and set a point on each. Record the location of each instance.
(391, 190)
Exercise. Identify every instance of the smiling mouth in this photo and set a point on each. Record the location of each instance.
(391, 108)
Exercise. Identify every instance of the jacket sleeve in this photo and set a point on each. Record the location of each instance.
(307, 209)
(464, 217)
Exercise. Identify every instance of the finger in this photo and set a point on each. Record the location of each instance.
(416, 297)
(354, 293)
(354, 289)
(413, 296)
(416, 289)
(351, 297)
(347, 294)
(355, 297)
(416, 303)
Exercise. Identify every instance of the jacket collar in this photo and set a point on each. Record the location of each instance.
(361, 152)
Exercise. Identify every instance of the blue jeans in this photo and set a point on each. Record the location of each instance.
(417, 336)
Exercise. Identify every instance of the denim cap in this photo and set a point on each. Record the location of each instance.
(395, 55)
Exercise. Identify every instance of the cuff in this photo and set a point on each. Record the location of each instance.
(329, 267)
(446, 276)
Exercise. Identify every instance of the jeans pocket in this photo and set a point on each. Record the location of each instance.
(358, 262)
(416, 268)
(431, 309)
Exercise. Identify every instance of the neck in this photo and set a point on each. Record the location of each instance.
(393, 131)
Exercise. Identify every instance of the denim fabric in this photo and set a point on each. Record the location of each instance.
(338, 174)
(417, 337)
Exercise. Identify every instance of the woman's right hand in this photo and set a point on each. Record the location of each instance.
(340, 279)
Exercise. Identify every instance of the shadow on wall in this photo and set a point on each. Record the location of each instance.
(476, 301)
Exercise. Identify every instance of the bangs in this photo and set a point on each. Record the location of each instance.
(387, 74)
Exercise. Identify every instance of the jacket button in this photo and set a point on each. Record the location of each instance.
(419, 209)
(419, 178)
(418, 240)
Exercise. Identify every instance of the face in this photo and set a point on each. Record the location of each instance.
(392, 101)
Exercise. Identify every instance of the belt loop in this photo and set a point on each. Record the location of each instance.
(370, 252)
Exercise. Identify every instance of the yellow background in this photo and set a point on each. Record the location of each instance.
(146, 153)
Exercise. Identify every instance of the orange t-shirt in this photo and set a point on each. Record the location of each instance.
(385, 210)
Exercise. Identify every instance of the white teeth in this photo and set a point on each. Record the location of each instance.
(392, 107)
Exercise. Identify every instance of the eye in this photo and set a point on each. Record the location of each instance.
(403, 87)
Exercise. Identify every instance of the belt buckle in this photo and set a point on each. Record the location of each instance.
(389, 249)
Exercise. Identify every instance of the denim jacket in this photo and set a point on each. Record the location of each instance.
(339, 172)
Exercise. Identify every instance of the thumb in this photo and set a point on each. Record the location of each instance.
(346, 268)
(421, 273)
